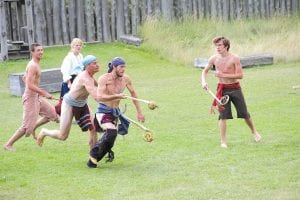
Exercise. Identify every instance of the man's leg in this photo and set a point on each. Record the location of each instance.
(93, 138)
(17, 135)
(103, 146)
(222, 126)
(256, 135)
(65, 126)
(39, 123)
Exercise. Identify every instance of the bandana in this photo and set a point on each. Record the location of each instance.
(88, 60)
(115, 62)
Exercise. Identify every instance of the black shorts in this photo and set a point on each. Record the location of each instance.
(237, 98)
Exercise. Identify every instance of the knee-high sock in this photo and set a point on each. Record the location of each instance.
(104, 144)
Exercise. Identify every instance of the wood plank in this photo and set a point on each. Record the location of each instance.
(51, 80)
(130, 39)
(246, 61)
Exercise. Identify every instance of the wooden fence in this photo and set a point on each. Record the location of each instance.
(56, 22)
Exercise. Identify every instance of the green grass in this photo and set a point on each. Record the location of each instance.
(185, 160)
(183, 41)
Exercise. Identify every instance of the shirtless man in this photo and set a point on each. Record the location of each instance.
(75, 104)
(33, 104)
(228, 71)
(110, 92)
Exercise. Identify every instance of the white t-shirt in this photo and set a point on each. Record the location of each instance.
(70, 62)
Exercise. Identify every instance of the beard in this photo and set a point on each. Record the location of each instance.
(119, 74)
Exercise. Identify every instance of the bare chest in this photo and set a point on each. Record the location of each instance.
(115, 86)
(225, 65)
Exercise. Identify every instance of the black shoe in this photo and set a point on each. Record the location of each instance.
(90, 164)
(111, 156)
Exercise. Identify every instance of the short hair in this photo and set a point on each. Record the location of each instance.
(225, 41)
(33, 46)
(76, 41)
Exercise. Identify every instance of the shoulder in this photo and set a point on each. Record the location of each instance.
(212, 59)
(32, 65)
(234, 57)
(103, 78)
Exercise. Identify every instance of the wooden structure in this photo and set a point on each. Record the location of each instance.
(130, 39)
(51, 81)
(57, 22)
(246, 61)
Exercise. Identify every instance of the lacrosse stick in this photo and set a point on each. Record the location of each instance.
(224, 100)
(295, 87)
(148, 133)
(151, 104)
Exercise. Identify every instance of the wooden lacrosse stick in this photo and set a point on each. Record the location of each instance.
(148, 133)
(224, 100)
(295, 87)
(151, 104)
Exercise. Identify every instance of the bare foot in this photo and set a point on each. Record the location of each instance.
(257, 137)
(40, 138)
(223, 145)
(9, 148)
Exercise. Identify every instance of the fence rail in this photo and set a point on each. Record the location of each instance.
(56, 22)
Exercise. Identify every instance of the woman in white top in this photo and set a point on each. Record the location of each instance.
(70, 68)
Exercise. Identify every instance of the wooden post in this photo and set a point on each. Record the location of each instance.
(98, 14)
(113, 20)
(120, 19)
(135, 17)
(144, 10)
(106, 24)
(80, 20)
(89, 21)
(57, 22)
(127, 17)
(3, 33)
(167, 9)
(72, 18)
(226, 10)
(40, 22)
(49, 22)
(64, 24)
(29, 18)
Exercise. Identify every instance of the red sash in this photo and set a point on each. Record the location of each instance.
(220, 88)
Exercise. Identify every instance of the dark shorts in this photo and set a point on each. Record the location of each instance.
(237, 98)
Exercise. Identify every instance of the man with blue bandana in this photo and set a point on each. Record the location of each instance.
(75, 104)
(108, 117)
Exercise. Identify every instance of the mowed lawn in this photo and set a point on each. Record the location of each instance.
(185, 161)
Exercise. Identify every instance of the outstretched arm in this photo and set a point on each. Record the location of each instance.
(209, 65)
(133, 93)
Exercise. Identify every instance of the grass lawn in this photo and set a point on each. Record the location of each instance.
(185, 160)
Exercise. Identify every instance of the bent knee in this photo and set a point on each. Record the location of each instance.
(63, 137)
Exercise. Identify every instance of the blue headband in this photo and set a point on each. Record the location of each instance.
(115, 62)
(88, 60)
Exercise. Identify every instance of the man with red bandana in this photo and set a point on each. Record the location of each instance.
(228, 71)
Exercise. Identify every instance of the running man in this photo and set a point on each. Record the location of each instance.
(110, 92)
(228, 71)
(33, 102)
(75, 105)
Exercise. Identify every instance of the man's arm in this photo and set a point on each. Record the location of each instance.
(31, 79)
(209, 65)
(133, 93)
(89, 84)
